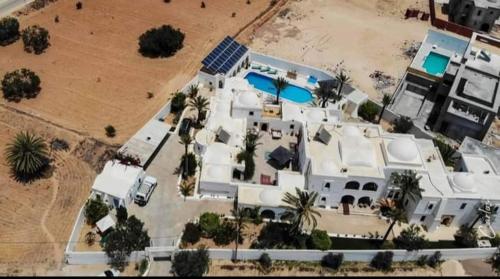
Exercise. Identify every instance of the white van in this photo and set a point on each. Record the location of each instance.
(145, 190)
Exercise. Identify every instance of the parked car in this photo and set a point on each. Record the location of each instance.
(145, 190)
(185, 126)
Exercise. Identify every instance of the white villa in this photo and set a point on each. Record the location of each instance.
(349, 164)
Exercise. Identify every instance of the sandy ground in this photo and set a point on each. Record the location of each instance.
(92, 74)
(220, 268)
(360, 36)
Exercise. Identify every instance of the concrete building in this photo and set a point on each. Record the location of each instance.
(451, 87)
(480, 15)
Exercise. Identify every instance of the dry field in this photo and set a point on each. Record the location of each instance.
(92, 74)
(359, 35)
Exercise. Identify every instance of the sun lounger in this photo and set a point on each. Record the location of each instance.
(264, 69)
(256, 67)
(272, 71)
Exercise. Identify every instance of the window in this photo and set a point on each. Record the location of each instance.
(352, 185)
(396, 196)
(422, 218)
(463, 205)
(479, 13)
(255, 124)
(327, 186)
(370, 187)
(390, 195)
(292, 127)
(430, 206)
(323, 199)
(406, 202)
(250, 113)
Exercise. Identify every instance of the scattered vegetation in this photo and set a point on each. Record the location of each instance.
(9, 30)
(191, 263)
(164, 41)
(209, 223)
(59, 144)
(35, 39)
(27, 156)
(368, 111)
(95, 210)
(466, 237)
(266, 263)
(127, 159)
(320, 240)
(382, 261)
(121, 215)
(22, 83)
(178, 102)
(110, 131)
(333, 261)
(191, 234)
(495, 263)
(435, 260)
(411, 238)
(402, 124)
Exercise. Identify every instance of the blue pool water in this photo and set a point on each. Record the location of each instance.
(293, 93)
(435, 64)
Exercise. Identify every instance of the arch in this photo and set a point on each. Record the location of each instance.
(268, 213)
(352, 185)
(347, 199)
(221, 84)
(370, 186)
(365, 200)
(485, 27)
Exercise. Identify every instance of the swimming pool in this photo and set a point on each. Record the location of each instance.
(293, 93)
(435, 64)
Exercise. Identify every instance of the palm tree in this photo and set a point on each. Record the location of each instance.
(396, 215)
(301, 205)
(186, 188)
(280, 84)
(186, 140)
(447, 152)
(324, 94)
(386, 100)
(200, 104)
(239, 220)
(27, 155)
(408, 183)
(193, 91)
(385, 205)
(343, 79)
(251, 142)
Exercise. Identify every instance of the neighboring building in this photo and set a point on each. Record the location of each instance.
(117, 183)
(451, 87)
(479, 15)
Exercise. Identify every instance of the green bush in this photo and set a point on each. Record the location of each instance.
(495, 262)
(402, 124)
(190, 168)
(178, 102)
(265, 261)
(368, 111)
(495, 242)
(466, 237)
(121, 215)
(22, 83)
(225, 233)
(95, 210)
(435, 260)
(35, 39)
(192, 233)
(382, 260)
(164, 41)
(274, 236)
(9, 30)
(191, 263)
(143, 265)
(209, 223)
(333, 261)
(411, 239)
(422, 260)
(110, 131)
(319, 240)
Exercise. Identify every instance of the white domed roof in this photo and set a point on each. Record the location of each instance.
(351, 131)
(464, 182)
(316, 115)
(217, 153)
(328, 166)
(215, 171)
(403, 149)
(270, 197)
(248, 98)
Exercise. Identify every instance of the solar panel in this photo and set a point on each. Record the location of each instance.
(224, 56)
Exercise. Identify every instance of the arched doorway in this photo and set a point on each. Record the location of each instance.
(352, 185)
(370, 187)
(365, 201)
(485, 27)
(268, 214)
(347, 199)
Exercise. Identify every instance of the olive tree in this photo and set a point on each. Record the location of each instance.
(22, 83)
(9, 30)
(163, 41)
(35, 39)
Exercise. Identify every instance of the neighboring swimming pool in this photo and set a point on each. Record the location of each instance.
(293, 93)
(435, 64)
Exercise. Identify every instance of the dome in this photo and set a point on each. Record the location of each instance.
(316, 115)
(403, 149)
(351, 131)
(464, 182)
(248, 98)
(270, 197)
(217, 153)
(215, 171)
(328, 166)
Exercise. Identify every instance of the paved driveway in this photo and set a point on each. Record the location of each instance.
(166, 212)
(9, 6)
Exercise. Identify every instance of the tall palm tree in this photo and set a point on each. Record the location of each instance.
(239, 220)
(386, 100)
(343, 79)
(200, 104)
(193, 91)
(280, 84)
(186, 188)
(27, 155)
(251, 142)
(408, 183)
(396, 215)
(324, 94)
(301, 205)
(447, 152)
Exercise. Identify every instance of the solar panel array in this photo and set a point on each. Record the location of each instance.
(224, 56)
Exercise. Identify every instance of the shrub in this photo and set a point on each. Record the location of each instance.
(9, 30)
(191, 165)
(35, 39)
(178, 102)
(225, 233)
(422, 260)
(95, 210)
(249, 168)
(447, 152)
(273, 235)
(209, 223)
(192, 233)
(333, 261)
(164, 41)
(495, 262)
(191, 263)
(319, 240)
(110, 131)
(382, 260)
(90, 238)
(22, 83)
(411, 239)
(265, 261)
(121, 215)
(27, 156)
(466, 237)
(59, 144)
(435, 260)
(143, 265)
(495, 241)
(368, 111)
(79, 5)
(402, 124)
(203, 5)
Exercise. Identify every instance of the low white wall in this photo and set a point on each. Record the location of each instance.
(87, 258)
(165, 110)
(75, 233)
